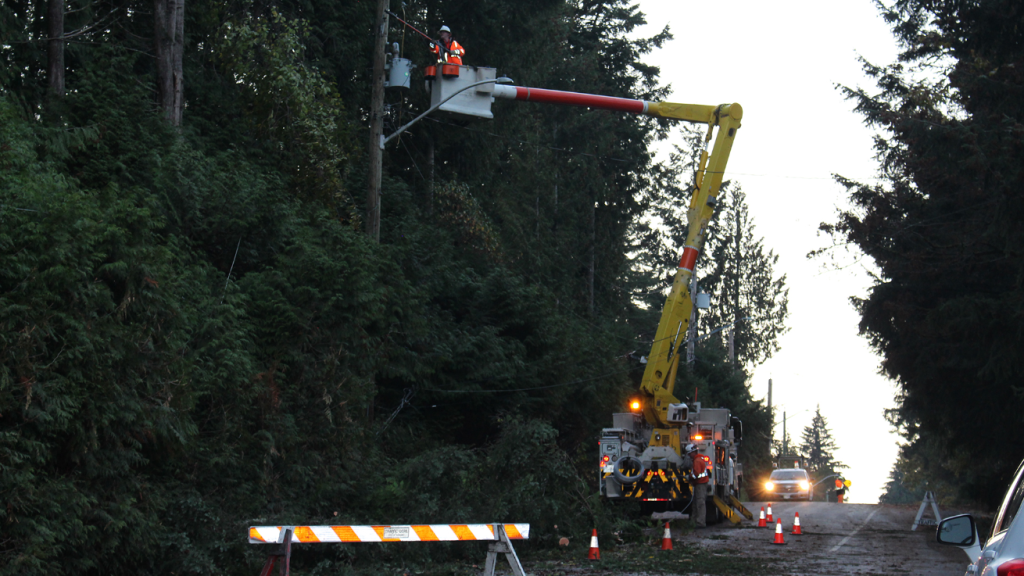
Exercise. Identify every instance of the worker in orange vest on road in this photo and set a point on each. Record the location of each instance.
(699, 474)
(449, 51)
(840, 489)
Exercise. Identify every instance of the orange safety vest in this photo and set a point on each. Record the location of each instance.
(454, 54)
(701, 469)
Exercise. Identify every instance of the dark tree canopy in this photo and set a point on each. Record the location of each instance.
(195, 335)
(944, 230)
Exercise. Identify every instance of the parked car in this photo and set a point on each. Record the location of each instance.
(789, 483)
(1003, 553)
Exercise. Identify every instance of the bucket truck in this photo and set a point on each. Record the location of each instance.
(641, 456)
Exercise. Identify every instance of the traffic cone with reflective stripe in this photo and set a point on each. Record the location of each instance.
(761, 523)
(770, 519)
(666, 539)
(796, 525)
(595, 552)
(778, 533)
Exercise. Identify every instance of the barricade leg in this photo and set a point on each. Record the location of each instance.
(502, 546)
(282, 551)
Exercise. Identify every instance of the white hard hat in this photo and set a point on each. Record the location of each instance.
(445, 29)
(691, 448)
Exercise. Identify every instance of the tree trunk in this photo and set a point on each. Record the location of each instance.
(55, 47)
(170, 47)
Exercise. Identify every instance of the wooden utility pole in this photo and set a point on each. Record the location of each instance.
(785, 444)
(380, 41)
(592, 256)
(736, 288)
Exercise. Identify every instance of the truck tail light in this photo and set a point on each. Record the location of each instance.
(605, 459)
(1014, 567)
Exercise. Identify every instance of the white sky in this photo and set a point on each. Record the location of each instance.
(781, 61)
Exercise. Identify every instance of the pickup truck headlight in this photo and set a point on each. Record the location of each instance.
(769, 486)
(805, 485)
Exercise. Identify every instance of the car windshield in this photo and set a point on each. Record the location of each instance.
(789, 475)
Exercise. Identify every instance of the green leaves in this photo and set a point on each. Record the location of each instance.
(289, 101)
(196, 338)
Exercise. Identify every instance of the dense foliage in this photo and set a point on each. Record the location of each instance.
(944, 231)
(196, 336)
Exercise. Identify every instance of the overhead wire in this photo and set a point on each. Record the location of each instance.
(528, 143)
(614, 159)
(563, 384)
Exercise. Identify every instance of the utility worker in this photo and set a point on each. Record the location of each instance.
(840, 489)
(448, 50)
(698, 478)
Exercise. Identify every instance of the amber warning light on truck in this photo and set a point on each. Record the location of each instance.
(634, 405)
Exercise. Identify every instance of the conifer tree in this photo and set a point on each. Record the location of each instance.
(819, 446)
(943, 229)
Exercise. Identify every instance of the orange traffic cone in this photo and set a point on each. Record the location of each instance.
(770, 519)
(666, 539)
(778, 533)
(796, 525)
(595, 552)
(761, 523)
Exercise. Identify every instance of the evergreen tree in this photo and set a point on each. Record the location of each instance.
(734, 268)
(819, 446)
(195, 334)
(897, 490)
(943, 230)
(743, 284)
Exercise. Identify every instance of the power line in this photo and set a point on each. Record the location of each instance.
(580, 381)
(527, 143)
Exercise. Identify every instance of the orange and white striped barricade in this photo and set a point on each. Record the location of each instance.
(500, 537)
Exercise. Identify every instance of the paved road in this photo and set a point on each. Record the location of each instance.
(841, 540)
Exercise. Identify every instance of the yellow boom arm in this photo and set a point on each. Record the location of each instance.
(658, 384)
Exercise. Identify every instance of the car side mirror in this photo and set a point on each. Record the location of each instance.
(957, 531)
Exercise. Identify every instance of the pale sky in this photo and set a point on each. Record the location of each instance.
(781, 61)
